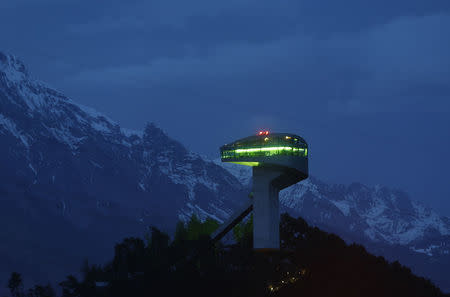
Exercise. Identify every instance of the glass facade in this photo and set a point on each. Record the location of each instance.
(264, 146)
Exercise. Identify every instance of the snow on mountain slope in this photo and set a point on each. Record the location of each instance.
(31, 112)
(58, 115)
(242, 173)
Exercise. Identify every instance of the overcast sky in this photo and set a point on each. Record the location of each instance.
(366, 83)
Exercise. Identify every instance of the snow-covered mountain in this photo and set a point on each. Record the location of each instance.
(42, 125)
(73, 182)
(378, 213)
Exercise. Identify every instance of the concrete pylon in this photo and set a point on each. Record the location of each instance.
(266, 209)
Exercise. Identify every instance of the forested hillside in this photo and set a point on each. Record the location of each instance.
(311, 263)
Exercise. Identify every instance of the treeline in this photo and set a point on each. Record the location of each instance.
(311, 263)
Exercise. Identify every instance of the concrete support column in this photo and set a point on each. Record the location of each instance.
(266, 209)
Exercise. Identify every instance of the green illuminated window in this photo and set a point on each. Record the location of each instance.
(264, 146)
(264, 152)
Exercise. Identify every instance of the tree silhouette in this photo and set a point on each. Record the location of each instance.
(70, 287)
(311, 263)
(243, 232)
(41, 291)
(15, 285)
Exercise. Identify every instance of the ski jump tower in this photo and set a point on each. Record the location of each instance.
(279, 160)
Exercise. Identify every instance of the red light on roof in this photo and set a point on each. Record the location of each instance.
(267, 132)
(263, 133)
(260, 133)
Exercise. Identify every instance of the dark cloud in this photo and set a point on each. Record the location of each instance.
(389, 66)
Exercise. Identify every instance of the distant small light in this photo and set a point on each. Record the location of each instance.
(267, 138)
(288, 137)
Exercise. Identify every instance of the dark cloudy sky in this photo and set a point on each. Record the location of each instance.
(367, 83)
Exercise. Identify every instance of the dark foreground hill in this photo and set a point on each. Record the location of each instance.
(313, 263)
